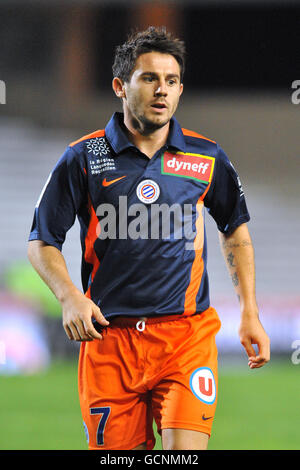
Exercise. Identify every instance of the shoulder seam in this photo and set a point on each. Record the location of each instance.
(78, 156)
(195, 134)
(98, 133)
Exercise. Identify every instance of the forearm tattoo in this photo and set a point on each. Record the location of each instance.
(236, 255)
(235, 279)
(228, 244)
(230, 258)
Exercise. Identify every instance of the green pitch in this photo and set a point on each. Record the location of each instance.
(257, 409)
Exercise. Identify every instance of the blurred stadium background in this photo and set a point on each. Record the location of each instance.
(55, 72)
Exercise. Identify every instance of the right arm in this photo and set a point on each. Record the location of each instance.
(77, 309)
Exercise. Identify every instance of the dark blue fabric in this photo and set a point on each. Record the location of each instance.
(136, 277)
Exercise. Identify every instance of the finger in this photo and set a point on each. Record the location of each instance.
(248, 348)
(257, 362)
(68, 332)
(264, 351)
(82, 331)
(99, 316)
(90, 329)
(74, 331)
(256, 366)
(264, 354)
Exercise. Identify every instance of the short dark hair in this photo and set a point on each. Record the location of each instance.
(140, 42)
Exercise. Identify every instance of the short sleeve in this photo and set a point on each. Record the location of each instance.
(225, 199)
(60, 201)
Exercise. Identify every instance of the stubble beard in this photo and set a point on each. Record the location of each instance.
(146, 126)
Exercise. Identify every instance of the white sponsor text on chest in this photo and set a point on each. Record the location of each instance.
(184, 165)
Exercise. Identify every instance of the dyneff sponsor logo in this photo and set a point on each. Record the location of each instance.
(151, 221)
(188, 165)
(180, 165)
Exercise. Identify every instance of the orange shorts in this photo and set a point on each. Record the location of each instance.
(166, 372)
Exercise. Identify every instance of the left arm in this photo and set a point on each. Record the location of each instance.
(238, 253)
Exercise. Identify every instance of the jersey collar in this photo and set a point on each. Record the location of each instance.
(116, 135)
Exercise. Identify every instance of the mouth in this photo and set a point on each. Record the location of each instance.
(159, 106)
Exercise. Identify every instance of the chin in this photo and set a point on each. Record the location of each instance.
(160, 120)
(159, 124)
(152, 124)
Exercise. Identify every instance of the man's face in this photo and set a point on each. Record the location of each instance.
(152, 94)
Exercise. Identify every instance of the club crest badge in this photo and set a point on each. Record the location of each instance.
(148, 191)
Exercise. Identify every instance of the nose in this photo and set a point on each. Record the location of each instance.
(161, 90)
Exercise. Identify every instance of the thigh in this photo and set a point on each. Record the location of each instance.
(183, 439)
(185, 398)
(114, 404)
(142, 446)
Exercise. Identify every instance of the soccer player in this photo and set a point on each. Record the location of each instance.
(139, 188)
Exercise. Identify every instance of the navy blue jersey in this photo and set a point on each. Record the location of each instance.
(142, 220)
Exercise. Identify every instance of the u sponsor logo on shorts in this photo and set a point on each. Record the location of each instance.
(203, 385)
(86, 432)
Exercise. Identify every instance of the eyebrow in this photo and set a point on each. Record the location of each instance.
(153, 74)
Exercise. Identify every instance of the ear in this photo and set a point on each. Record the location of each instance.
(118, 87)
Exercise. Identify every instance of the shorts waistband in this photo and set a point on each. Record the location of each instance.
(133, 321)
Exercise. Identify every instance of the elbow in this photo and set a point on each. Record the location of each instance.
(30, 251)
(33, 249)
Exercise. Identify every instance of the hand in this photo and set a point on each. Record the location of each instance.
(78, 311)
(252, 332)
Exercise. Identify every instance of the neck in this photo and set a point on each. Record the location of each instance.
(147, 142)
